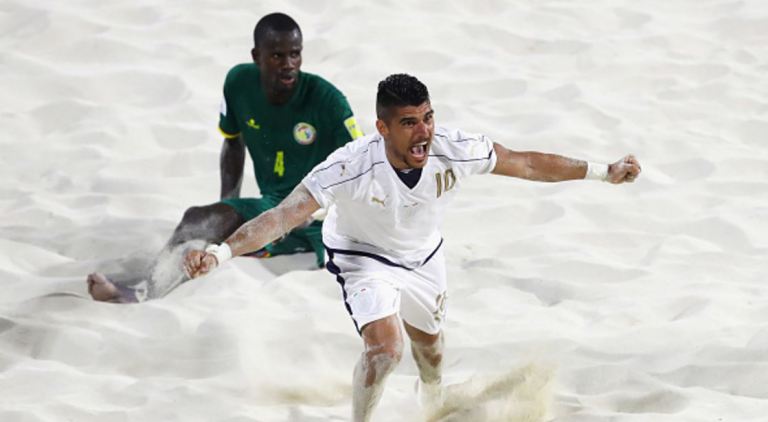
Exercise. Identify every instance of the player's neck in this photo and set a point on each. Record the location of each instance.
(396, 162)
(278, 98)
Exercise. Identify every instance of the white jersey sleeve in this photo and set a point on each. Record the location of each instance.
(330, 180)
(470, 153)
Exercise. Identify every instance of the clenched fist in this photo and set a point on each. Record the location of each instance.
(198, 263)
(625, 170)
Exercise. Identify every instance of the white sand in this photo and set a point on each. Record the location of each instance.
(645, 302)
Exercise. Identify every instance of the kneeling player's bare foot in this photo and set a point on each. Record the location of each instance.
(101, 288)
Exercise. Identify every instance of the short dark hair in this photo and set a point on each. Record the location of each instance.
(278, 22)
(399, 90)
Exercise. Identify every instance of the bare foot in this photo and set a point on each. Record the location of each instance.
(101, 288)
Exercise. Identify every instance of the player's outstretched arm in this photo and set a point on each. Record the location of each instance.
(556, 168)
(294, 210)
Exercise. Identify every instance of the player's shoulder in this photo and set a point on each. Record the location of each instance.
(242, 72)
(452, 136)
(318, 82)
(361, 150)
(458, 145)
(352, 159)
(320, 88)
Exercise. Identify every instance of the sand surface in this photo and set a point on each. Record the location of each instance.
(575, 302)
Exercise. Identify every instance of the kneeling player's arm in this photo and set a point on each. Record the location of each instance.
(231, 163)
(294, 210)
(537, 166)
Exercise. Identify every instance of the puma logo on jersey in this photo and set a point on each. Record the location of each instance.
(379, 201)
(252, 123)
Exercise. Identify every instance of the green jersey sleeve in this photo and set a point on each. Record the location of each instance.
(341, 119)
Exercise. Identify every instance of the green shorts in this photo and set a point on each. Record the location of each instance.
(307, 239)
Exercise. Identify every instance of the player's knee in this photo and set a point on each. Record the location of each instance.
(384, 361)
(394, 353)
(388, 353)
(431, 352)
(194, 214)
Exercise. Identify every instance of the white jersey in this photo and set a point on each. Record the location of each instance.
(372, 212)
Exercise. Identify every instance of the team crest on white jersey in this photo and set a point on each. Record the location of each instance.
(304, 133)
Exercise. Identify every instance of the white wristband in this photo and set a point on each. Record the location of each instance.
(222, 252)
(597, 171)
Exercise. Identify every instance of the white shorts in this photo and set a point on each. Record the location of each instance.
(374, 290)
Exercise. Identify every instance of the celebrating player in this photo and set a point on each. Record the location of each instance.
(386, 194)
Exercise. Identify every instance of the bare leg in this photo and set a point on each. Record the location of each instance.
(427, 351)
(383, 349)
(210, 223)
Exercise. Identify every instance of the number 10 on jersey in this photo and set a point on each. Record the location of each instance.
(446, 180)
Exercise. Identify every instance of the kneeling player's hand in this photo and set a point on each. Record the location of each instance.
(625, 170)
(198, 263)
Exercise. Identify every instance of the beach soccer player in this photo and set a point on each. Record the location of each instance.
(386, 194)
(288, 121)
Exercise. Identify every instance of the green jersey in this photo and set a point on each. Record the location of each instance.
(285, 142)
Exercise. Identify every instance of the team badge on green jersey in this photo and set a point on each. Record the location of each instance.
(304, 133)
